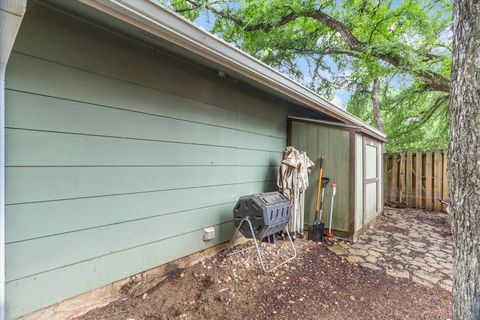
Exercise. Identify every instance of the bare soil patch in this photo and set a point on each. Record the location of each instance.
(317, 284)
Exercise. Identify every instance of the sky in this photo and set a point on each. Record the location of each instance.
(341, 97)
(205, 20)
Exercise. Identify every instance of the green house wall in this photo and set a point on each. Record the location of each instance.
(118, 155)
(334, 145)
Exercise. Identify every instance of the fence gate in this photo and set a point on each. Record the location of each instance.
(417, 178)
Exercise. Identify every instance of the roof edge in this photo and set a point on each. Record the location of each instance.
(167, 24)
(338, 125)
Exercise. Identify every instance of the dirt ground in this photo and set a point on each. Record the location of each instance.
(317, 284)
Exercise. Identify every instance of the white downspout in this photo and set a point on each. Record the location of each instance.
(11, 15)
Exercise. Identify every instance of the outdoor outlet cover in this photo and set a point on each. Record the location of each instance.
(208, 233)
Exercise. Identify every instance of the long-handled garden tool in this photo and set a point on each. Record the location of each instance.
(334, 188)
(316, 231)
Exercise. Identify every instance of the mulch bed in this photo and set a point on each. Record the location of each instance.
(315, 285)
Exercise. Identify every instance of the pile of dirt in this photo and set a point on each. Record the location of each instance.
(317, 284)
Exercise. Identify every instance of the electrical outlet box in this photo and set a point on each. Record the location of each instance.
(208, 233)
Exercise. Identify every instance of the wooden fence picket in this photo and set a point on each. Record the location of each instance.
(401, 180)
(444, 177)
(408, 179)
(437, 182)
(393, 180)
(428, 181)
(418, 179)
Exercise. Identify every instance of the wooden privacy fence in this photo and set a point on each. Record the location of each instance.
(416, 178)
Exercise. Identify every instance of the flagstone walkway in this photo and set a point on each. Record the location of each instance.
(406, 243)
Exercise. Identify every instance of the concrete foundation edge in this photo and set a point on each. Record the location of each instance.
(134, 285)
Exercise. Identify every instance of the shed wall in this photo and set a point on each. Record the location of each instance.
(118, 156)
(359, 183)
(334, 144)
(373, 180)
(381, 170)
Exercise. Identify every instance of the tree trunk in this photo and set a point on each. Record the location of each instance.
(376, 105)
(464, 159)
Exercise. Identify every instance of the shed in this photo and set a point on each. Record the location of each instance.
(128, 130)
(353, 158)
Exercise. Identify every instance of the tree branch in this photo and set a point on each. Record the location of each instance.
(376, 105)
(268, 27)
(426, 117)
(339, 27)
(433, 80)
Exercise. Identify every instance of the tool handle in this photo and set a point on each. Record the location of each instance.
(319, 185)
(334, 186)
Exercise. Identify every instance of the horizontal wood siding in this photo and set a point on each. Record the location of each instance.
(118, 155)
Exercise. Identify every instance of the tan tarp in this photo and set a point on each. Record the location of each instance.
(292, 182)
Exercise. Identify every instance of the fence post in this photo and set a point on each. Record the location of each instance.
(428, 181)
(445, 178)
(418, 180)
(401, 180)
(385, 176)
(437, 180)
(393, 181)
(408, 179)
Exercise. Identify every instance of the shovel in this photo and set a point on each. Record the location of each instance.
(316, 230)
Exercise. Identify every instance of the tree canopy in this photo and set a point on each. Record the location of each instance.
(393, 57)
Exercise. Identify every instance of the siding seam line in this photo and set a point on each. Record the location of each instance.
(138, 192)
(121, 222)
(112, 253)
(144, 166)
(139, 139)
(98, 105)
(133, 84)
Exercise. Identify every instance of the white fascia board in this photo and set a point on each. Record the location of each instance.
(11, 15)
(166, 24)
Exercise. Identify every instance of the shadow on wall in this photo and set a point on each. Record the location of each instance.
(224, 230)
(271, 179)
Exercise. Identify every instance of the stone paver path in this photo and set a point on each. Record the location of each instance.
(406, 243)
